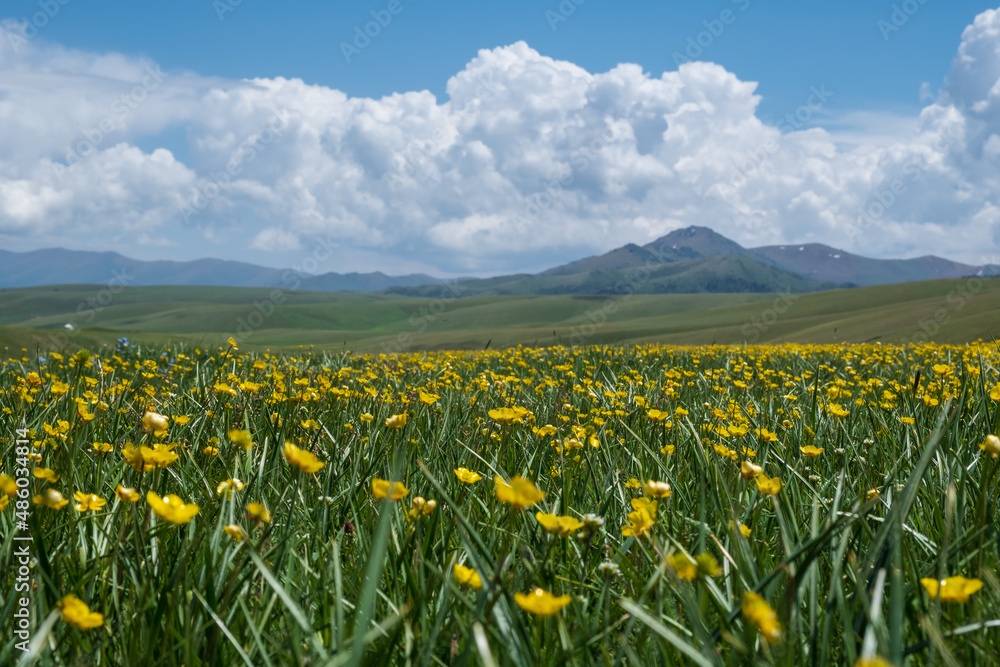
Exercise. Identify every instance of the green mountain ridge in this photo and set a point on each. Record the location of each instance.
(694, 259)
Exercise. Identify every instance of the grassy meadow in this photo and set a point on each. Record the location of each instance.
(945, 311)
(595, 505)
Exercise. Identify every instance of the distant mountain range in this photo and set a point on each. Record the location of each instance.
(57, 266)
(697, 259)
(689, 260)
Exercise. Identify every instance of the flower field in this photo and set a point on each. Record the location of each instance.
(792, 505)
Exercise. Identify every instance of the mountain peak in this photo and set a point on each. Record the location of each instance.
(696, 241)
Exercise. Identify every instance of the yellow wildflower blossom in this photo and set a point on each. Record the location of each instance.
(76, 612)
(520, 493)
(301, 459)
(466, 576)
(541, 603)
(172, 508)
(382, 488)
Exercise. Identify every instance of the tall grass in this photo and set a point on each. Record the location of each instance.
(901, 492)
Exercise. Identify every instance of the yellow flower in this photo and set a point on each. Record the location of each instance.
(872, 493)
(811, 452)
(428, 399)
(301, 459)
(227, 487)
(385, 489)
(563, 526)
(83, 413)
(757, 610)
(991, 445)
(420, 507)
(232, 343)
(942, 369)
(749, 470)
(743, 529)
(47, 474)
(545, 431)
(520, 493)
(235, 531)
(152, 421)
(907, 420)
(508, 415)
(836, 410)
(952, 589)
(223, 388)
(656, 489)
(657, 415)
(768, 485)
(240, 438)
(210, 451)
(8, 485)
(133, 457)
(181, 420)
(258, 512)
(50, 498)
(396, 421)
(874, 661)
(995, 392)
(88, 501)
(765, 435)
(172, 508)
(541, 603)
(159, 456)
(641, 519)
(102, 447)
(76, 612)
(685, 567)
(367, 417)
(466, 576)
(633, 483)
(467, 476)
(127, 494)
(707, 565)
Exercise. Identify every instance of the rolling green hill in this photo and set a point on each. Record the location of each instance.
(635, 270)
(956, 310)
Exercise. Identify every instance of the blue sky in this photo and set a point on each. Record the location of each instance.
(889, 66)
(786, 46)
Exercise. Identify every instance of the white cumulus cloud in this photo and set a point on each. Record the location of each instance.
(530, 161)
